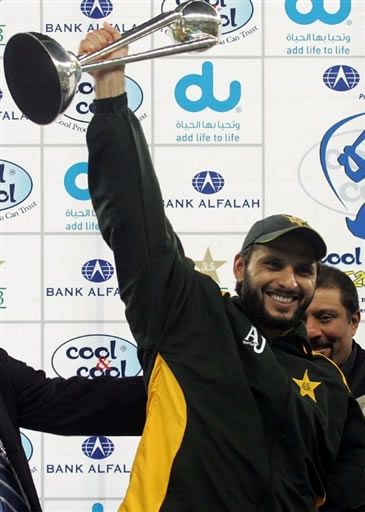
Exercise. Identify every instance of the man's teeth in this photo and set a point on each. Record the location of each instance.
(284, 300)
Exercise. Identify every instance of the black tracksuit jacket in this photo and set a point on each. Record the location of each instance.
(75, 406)
(234, 423)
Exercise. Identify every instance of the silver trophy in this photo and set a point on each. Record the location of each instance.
(42, 77)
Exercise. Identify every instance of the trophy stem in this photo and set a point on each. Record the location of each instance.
(188, 46)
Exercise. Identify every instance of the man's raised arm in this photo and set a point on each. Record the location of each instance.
(127, 199)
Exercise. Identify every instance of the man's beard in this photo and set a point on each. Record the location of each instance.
(256, 308)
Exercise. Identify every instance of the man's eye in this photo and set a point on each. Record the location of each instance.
(272, 264)
(326, 318)
(305, 271)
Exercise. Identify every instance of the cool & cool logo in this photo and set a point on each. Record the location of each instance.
(347, 258)
(15, 184)
(234, 13)
(207, 100)
(95, 355)
(82, 108)
(317, 12)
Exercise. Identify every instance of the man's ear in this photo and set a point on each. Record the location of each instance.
(355, 320)
(238, 267)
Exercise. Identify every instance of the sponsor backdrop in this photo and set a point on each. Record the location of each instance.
(272, 120)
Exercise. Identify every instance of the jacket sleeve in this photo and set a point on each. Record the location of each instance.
(345, 484)
(153, 273)
(74, 406)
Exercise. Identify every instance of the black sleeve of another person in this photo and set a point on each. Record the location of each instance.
(74, 406)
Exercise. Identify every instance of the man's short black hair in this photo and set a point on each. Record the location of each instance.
(332, 277)
(245, 255)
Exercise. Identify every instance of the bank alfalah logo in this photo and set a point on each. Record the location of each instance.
(96, 9)
(341, 78)
(97, 271)
(97, 447)
(208, 182)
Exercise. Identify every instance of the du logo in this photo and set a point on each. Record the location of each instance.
(317, 12)
(207, 99)
(96, 9)
(72, 180)
(344, 170)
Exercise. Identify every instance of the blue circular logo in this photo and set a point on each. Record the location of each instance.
(15, 185)
(208, 182)
(27, 446)
(95, 355)
(341, 78)
(82, 194)
(97, 271)
(96, 9)
(97, 447)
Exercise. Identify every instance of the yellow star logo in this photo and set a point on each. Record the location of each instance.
(296, 220)
(209, 266)
(307, 386)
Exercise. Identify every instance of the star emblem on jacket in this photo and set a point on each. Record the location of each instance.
(307, 386)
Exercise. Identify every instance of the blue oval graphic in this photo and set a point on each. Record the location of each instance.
(208, 182)
(96, 10)
(95, 355)
(97, 271)
(82, 108)
(15, 185)
(97, 447)
(27, 446)
(341, 78)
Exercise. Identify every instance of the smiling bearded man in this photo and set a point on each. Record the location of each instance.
(241, 415)
(278, 281)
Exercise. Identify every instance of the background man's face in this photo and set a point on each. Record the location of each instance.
(328, 325)
(278, 282)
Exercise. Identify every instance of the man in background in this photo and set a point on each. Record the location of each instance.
(332, 319)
